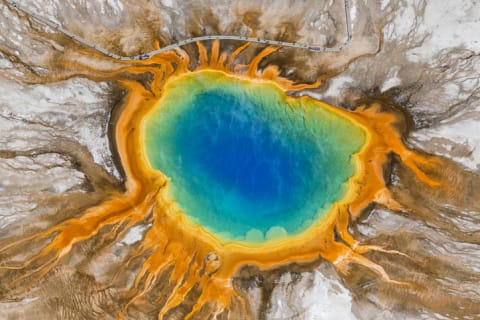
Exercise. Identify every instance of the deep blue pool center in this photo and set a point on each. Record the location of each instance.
(245, 161)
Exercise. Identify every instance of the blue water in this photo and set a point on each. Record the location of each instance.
(238, 163)
(228, 143)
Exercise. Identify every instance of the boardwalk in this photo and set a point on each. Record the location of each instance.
(148, 55)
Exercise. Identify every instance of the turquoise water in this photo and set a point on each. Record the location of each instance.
(240, 157)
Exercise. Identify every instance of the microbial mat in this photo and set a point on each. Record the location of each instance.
(244, 160)
(227, 167)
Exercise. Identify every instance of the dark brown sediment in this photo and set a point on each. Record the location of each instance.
(118, 98)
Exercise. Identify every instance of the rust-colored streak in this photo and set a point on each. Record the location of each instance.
(253, 66)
